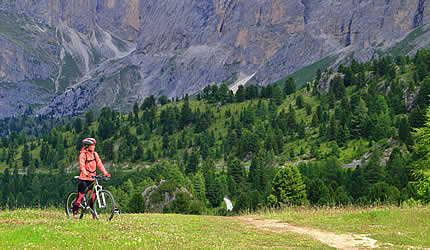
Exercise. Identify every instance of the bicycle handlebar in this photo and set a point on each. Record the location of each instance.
(98, 177)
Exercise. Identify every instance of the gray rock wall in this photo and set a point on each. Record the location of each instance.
(120, 18)
(182, 46)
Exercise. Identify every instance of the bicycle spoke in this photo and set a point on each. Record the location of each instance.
(104, 205)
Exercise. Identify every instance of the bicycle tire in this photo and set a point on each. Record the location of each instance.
(106, 209)
(68, 204)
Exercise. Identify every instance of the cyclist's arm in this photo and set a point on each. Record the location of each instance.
(82, 159)
(100, 164)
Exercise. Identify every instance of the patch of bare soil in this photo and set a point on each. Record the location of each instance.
(340, 241)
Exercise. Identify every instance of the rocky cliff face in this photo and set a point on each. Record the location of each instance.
(112, 52)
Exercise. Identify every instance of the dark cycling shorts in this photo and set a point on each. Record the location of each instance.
(82, 185)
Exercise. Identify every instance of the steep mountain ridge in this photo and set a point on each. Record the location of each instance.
(176, 47)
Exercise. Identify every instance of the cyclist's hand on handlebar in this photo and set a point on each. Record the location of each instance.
(107, 175)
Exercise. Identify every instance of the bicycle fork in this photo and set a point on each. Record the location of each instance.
(100, 197)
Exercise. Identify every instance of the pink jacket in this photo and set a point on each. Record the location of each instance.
(88, 161)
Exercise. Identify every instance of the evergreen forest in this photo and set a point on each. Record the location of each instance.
(357, 134)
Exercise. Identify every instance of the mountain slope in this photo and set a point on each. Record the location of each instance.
(349, 132)
(182, 46)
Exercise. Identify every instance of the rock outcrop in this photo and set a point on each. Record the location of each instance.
(156, 199)
(113, 52)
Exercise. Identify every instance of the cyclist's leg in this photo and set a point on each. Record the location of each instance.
(82, 185)
(93, 197)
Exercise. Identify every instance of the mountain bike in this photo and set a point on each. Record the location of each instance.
(104, 206)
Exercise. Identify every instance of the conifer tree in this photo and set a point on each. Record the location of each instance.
(288, 187)
(186, 113)
(373, 171)
(36, 189)
(277, 95)
(199, 187)
(89, 117)
(108, 150)
(240, 94)
(421, 165)
(25, 156)
(212, 187)
(290, 86)
(78, 125)
(136, 203)
(299, 102)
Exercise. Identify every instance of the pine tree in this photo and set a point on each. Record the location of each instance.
(290, 86)
(192, 163)
(186, 113)
(241, 203)
(136, 204)
(277, 95)
(240, 94)
(36, 189)
(25, 156)
(403, 129)
(348, 77)
(78, 125)
(89, 117)
(422, 147)
(213, 194)
(236, 170)
(332, 128)
(397, 173)
(318, 192)
(373, 171)
(315, 121)
(299, 102)
(139, 153)
(163, 100)
(106, 128)
(288, 187)
(199, 187)
(255, 172)
(136, 110)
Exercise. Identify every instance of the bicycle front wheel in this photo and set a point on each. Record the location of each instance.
(104, 205)
(69, 202)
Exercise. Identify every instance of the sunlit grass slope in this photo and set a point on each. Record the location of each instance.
(399, 227)
(50, 228)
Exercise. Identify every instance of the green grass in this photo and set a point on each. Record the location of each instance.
(391, 226)
(48, 84)
(120, 44)
(354, 150)
(13, 28)
(97, 57)
(50, 228)
(401, 227)
(232, 79)
(307, 73)
(69, 73)
(406, 45)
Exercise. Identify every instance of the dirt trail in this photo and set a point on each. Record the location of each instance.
(341, 241)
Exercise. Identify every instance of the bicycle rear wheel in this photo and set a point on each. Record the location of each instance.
(70, 200)
(104, 205)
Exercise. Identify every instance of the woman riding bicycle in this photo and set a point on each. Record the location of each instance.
(88, 161)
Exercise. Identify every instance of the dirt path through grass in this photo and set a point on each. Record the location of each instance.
(341, 241)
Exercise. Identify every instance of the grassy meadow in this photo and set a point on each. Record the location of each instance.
(392, 227)
(51, 229)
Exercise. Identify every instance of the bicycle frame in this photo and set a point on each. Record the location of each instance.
(96, 188)
(104, 206)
